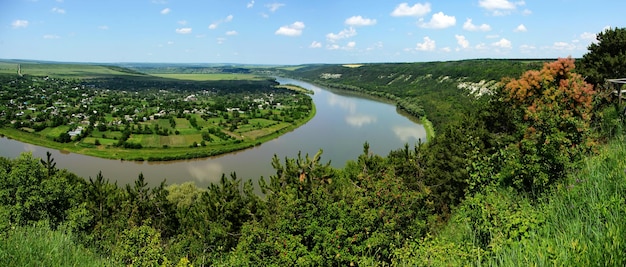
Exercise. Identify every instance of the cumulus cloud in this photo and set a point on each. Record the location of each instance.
(360, 21)
(103, 27)
(439, 21)
(295, 29)
(232, 33)
(250, 4)
(346, 33)
(427, 45)
(20, 23)
(351, 45)
(274, 6)
(182, 22)
(503, 43)
(315, 44)
(51, 36)
(462, 41)
(166, 11)
(417, 10)
(58, 10)
(520, 28)
(500, 7)
(183, 30)
(469, 26)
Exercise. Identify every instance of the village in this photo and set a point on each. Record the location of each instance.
(133, 116)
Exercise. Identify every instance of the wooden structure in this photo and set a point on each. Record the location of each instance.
(617, 85)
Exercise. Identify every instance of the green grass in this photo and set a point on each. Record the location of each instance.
(62, 70)
(209, 76)
(579, 222)
(585, 218)
(40, 246)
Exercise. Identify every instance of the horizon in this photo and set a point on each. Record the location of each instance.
(289, 32)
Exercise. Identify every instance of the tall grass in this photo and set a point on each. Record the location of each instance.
(585, 223)
(40, 246)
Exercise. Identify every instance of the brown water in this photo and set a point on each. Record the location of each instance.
(342, 124)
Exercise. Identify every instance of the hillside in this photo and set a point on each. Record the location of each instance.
(438, 90)
(522, 176)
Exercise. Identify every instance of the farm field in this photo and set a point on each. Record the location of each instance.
(120, 113)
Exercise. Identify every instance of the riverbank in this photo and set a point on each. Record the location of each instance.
(152, 154)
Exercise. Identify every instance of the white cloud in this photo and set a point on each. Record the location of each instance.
(51, 36)
(346, 33)
(427, 45)
(274, 6)
(469, 26)
(462, 41)
(182, 22)
(446, 49)
(587, 36)
(315, 44)
(58, 10)
(231, 33)
(183, 30)
(250, 4)
(214, 25)
(526, 12)
(295, 29)
(492, 36)
(221, 40)
(103, 27)
(521, 28)
(563, 46)
(360, 21)
(417, 10)
(496, 4)
(501, 7)
(20, 23)
(439, 21)
(166, 11)
(503, 43)
(351, 45)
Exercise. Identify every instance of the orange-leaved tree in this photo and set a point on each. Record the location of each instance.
(553, 108)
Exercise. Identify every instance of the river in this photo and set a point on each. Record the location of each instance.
(343, 123)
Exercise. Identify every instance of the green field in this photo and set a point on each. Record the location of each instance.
(210, 76)
(64, 70)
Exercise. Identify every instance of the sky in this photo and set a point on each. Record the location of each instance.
(291, 32)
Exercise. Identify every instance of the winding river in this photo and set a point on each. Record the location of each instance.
(343, 123)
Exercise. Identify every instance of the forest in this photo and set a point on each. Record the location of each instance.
(529, 172)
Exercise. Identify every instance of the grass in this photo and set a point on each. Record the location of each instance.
(579, 222)
(61, 70)
(40, 246)
(428, 127)
(209, 76)
(585, 214)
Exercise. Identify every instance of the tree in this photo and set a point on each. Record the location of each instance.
(552, 108)
(606, 57)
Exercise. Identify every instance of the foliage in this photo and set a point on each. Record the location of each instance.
(37, 245)
(606, 57)
(552, 108)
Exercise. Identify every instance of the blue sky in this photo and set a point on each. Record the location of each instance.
(299, 31)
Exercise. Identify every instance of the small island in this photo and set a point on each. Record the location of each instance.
(125, 113)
